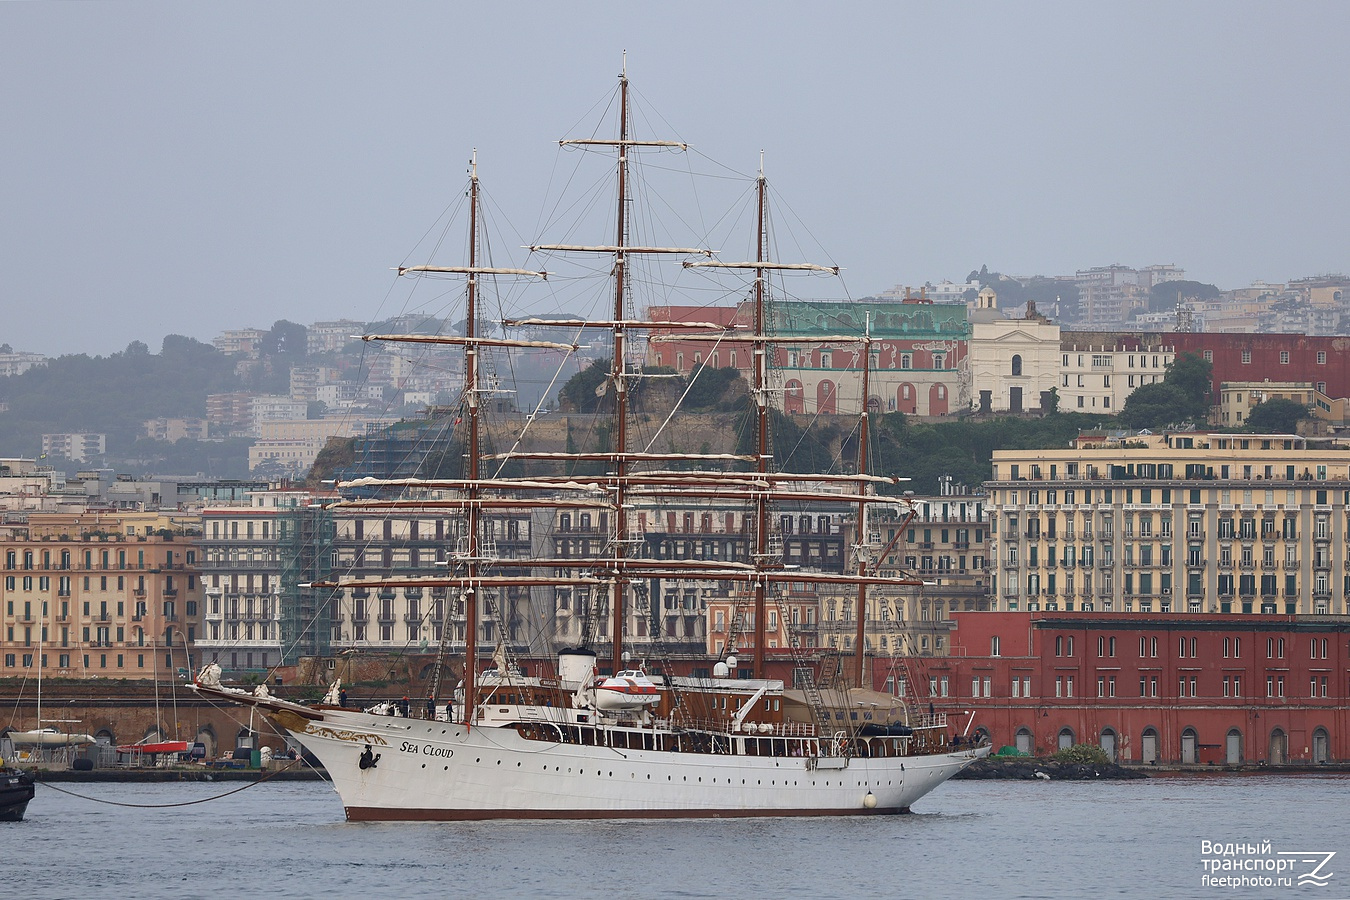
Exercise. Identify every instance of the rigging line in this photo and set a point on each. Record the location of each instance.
(689, 387)
(540, 405)
(269, 776)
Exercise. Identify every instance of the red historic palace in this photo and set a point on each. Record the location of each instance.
(1153, 688)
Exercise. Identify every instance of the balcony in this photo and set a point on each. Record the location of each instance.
(1291, 565)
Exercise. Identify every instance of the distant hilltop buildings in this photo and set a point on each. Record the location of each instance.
(982, 345)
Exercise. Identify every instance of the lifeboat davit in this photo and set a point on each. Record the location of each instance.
(630, 689)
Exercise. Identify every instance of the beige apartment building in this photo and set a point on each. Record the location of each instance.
(1099, 370)
(1237, 398)
(83, 596)
(1175, 523)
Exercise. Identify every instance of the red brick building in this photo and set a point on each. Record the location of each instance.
(1322, 361)
(1152, 688)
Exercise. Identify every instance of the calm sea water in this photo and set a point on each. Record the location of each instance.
(970, 840)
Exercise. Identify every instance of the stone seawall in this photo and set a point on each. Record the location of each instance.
(1026, 768)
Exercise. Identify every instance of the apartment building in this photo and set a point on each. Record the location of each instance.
(1099, 370)
(258, 559)
(75, 447)
(1182, 523)
(82, 596)
(397, 544)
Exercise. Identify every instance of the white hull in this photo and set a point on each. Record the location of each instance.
(443, 771)
(46, 737)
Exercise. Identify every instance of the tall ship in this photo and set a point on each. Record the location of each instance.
(578, 735)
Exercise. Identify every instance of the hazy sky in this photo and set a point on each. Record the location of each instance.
(190, 167)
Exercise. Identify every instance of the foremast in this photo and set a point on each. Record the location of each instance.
(470, 562)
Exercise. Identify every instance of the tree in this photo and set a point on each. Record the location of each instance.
(1151, 405)
(579, 394)
(1165, 294)
(1191, 375)
(1276, 416)
(285, 339)
(1182, 395)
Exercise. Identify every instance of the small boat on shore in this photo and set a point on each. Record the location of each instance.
(48, 737)
(155, 747)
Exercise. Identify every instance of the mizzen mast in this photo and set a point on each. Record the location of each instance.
(761, 266)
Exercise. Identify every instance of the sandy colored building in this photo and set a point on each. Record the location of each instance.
(1183, 522)
(82, 596)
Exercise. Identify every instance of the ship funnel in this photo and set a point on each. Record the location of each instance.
(575, 667)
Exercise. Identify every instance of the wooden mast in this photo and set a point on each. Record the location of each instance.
(761, 395)
(473, 514)
(861, 526)
(620, 529)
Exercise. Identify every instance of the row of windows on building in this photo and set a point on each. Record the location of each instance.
(104, 584)
(1187, 648)
(106, 610)
(104, 560)
(1188, 686)
(63, 660)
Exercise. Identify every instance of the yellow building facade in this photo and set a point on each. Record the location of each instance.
(97, 595)
(1176, 523)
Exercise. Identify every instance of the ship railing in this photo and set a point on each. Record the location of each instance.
(751, 729)
(930, 720)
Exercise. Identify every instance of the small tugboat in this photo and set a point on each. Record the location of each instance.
(16, 789)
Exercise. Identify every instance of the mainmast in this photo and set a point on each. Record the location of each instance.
(473, 513)
(618, 327)
(619, 584)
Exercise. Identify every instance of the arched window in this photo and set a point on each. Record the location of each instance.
(1023, 741)
(1017, 364)
(1066, 738)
